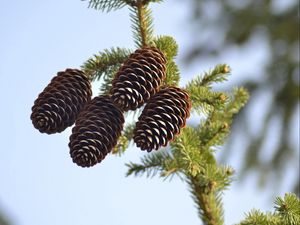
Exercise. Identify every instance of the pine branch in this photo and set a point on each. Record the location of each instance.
(206, 180)
(287, 212)
(204, 100)
(172, 74)
(258, 217)
(218, 74)
(216, 127)
(167, 45)
(213, 133)
(124, 140)
(207, 199)
(238, 100)
(207, 188)
(186, 148)
(234, 103)
(142, 24)
(170, 48)
(107, 5)
(208, 185)
(220, 175)
(159, 162)
(104, 65)
(288, 208)
(145, 2)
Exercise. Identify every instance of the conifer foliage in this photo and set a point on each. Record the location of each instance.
(147, 76)
(287, 212)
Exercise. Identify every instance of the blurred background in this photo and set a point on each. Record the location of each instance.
(39, 182)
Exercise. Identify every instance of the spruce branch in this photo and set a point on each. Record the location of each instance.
(287, 212)
(104, 65)
(213, 133)
(204, 100)
(160, 162)
(172, 74)
(141, 12)
(167, 45)
(238, 100)
(216, 127)
(218, 74)
(219, 175)
(107, 5)
(145, 2)
(186, 148)
(170, 48)
(288, 208)
(142, 24)
(234, 103)
(208, 185)
(207, 199)
(124, 140)
(103, 62)
(258, 217)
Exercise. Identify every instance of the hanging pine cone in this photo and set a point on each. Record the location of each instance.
(96, 131)
(57, 107)
(139, 78)
(163, 116)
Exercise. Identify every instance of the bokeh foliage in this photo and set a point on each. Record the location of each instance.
(277, 24)
(3, 220)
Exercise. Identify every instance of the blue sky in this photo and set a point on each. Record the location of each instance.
(39, 182)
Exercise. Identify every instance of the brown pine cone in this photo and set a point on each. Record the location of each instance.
(96, 131)
(161, 119)
(139, 78)
(58, 105)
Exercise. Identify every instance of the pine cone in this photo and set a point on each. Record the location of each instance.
(163, 116)
(96, 131)
(139, 78)
(58, 105)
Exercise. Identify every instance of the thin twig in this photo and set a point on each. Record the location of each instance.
(141, 11)
(202, 197)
